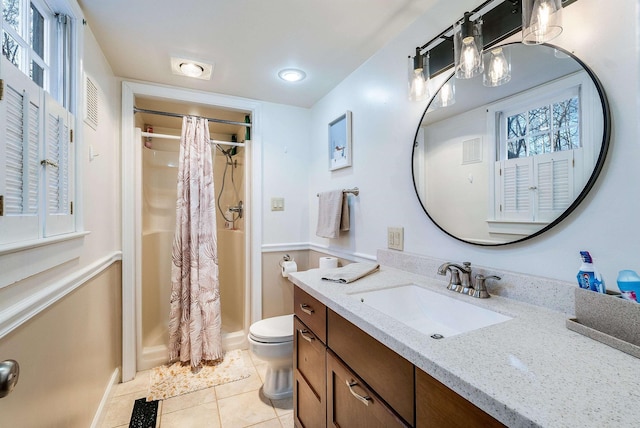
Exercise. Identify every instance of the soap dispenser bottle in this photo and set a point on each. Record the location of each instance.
(588, 276)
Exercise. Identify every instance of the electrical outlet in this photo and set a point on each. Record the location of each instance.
(277, 204)
(395, 238)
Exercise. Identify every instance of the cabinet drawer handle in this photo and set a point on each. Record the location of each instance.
(306, 308)
(366, 399)
(303, 333)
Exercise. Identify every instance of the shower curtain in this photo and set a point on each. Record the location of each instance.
(195, 318)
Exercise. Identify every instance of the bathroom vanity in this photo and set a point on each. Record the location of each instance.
(357, 366)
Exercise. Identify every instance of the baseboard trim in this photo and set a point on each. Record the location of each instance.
(98, 418)
(27, 308)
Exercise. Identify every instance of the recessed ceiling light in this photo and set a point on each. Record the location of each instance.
(292, 74)
(191, 68)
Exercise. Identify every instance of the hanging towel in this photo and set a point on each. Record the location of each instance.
(333, 214)
(351, 272)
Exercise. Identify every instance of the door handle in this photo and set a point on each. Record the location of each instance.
(303, 333)
(306, 309)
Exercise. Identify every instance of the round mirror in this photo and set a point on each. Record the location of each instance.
(498, 165)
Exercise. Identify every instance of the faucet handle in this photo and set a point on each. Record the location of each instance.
(454, 281)
(480, 288)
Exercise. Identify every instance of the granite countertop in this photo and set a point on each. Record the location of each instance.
(527, 371)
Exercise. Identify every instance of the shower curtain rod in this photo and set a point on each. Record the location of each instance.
(177, 137)
(164, 113)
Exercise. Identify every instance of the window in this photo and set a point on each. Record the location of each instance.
(36, 129)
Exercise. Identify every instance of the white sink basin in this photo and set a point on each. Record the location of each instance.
(428, 312)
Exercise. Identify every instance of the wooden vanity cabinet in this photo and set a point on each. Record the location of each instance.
(309, 361)
(351, 403)
(337, 365)
(439, 406)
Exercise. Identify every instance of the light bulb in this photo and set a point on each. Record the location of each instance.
(469, 58)
(190, 69)
(541, 21)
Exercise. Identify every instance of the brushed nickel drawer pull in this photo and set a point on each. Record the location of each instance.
(303, 333)
(366, 399)
(306, 308)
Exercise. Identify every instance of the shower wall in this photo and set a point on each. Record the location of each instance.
(159, 193)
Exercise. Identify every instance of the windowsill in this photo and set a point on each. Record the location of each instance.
(21, 260)
(515, 227)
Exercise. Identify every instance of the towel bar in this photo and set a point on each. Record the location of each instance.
(355, 191)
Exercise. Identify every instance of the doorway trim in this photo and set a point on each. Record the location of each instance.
(131, 154)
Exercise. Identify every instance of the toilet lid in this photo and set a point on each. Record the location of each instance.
(272, 330)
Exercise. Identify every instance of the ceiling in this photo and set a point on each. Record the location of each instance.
(248, 41)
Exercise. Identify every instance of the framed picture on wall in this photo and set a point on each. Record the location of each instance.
(340, 142)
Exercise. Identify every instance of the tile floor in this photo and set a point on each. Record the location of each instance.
(234, 405)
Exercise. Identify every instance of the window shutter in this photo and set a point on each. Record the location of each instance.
(20, 142)
(554, 177)
(515, 188)
(59, 168)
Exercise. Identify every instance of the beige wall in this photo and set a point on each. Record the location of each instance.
(277, 291)
(67, 355)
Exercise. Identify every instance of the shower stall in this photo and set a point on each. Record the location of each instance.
(159, 168)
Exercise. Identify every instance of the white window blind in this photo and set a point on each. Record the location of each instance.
(20, 145)
(58, 168)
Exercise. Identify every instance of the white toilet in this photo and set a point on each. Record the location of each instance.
(271, 340)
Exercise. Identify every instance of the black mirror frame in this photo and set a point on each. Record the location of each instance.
(606, 136)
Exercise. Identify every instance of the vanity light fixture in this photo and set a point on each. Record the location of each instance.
(541, 21)
(419, 76)
(467, 46)
(292, 74)
(497, 67)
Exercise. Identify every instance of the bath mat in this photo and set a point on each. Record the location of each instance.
(144, 414)
(172, 380)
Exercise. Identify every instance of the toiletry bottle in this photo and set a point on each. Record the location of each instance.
(588, 276)
(629, 285)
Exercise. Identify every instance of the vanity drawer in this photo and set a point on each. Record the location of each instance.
(390, 375)
(351, 403)
(309, 359)
(311, 312)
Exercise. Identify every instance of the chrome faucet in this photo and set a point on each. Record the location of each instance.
(456, 283)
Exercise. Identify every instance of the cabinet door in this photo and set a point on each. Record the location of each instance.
(350, 403)
(439, 406)
(310, 391)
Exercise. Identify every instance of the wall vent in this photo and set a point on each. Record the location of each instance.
(91, 103)
(472, 151)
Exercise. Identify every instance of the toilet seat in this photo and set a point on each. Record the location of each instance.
(273, 330)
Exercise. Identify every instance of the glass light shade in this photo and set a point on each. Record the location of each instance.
(541, 21)
(418, 77)
(497, 67)
(446, 96)
(467, 46)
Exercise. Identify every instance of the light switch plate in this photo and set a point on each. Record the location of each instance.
(277, 204)
(395, 238)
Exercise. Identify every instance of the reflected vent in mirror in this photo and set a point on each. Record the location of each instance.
(472, 151)
(91, 103)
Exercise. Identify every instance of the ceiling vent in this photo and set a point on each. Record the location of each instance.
(91, 103)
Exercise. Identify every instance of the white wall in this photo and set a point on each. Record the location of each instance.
(286, 155)
(384, 124)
